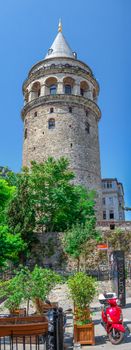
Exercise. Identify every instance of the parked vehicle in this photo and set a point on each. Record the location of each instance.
(112, 317)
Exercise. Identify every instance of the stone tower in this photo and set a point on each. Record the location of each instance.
(61, 114)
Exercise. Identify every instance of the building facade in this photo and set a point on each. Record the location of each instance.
(112, 200)
(61, 115)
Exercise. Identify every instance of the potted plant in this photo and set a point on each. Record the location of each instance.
(82, 289)
(26, 286)
(43, 280)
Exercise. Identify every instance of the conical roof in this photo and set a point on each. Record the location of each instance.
(60, 47)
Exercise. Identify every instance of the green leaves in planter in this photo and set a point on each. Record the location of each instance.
(27, 285)
(82, 323)
(82, 289)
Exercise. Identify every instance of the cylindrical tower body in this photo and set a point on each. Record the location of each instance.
(61, 115)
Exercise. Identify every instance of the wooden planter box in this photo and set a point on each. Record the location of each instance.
(84, 334)
(18, 312)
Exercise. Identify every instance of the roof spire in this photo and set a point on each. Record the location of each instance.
(60, 26)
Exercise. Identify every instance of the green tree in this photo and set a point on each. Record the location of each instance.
(82, 289)
(27, 285)
(6, 193)
(10, 246)
(46, 199)
(120, 239)
(20, 213)
(76, 239)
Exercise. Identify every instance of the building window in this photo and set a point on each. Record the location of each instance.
(53, 90)
(35, 114)
(103, 201)
(70, 109)
(109, 184)
(51, 123)
(87, 113)
(51, 110)
(104, 215)
(111, 214)
(111, 200)
(25, 134)
(68, 89)
(87, 128)
(71, 145)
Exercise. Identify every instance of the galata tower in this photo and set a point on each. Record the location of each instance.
(61, 114)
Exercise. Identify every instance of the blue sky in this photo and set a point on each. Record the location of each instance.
(99, 31)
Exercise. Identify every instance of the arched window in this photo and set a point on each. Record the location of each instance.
(68, 84)
(51, 86)
(36, 90)
(51, 123)
(53, 89)
(84, 87)
(68, 89)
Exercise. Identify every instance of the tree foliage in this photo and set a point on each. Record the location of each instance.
(82, 289)
(76, 239)
(6, 193)
(27, 285)
(46, 199)
(21, 214)
(10, 246)
(120, 239)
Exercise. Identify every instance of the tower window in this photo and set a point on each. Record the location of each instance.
(104, 215)
(86, 113)
(51, 123)
(82, 92)
(68, 89)
(51, 110)
(36, 90)
(53, 90)
(25, 134)
(35, 114)
(87, 127)
(70, 109)
(71, 144)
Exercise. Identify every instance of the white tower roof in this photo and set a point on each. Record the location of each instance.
(60, 47)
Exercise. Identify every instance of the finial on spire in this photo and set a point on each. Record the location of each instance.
(60, 26)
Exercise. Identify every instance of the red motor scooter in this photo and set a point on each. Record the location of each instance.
(112, 318)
